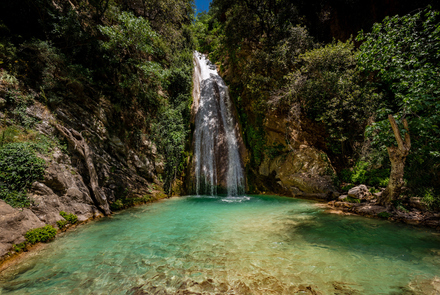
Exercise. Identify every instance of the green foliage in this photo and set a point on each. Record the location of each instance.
(403, 54)
(138, 55)
(362, 173)
(19, 168)
(8, 135)
(19, 247)
(130, 37)
(374, 190)
(275, 150)
(431, 198)
(384, 215)
(71, 218)
(8, 79)
(352, 200)
(8, 55)
(256, 139)
(42, 234)
(329, 89)
(170, 133)
(399, 205)
(346, 188)
(117, 205)
(62, 223)
(127, 202)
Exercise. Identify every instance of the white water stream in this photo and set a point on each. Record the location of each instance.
(215, 127)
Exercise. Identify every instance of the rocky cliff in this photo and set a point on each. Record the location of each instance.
(125, 175)
(293, 164)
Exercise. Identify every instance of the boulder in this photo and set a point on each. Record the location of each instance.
(301, 171)
(360, 192)
(14, 223)
(370, 209)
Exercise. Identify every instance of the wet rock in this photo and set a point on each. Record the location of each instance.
(360, 192)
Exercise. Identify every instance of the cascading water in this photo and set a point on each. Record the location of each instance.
(216, 150)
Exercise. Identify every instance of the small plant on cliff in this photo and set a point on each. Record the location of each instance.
(41, 234)
(19, 247)
(19, 167)
(71, 218)
(62, 223)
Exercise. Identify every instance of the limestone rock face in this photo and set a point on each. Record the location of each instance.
(121, 170)
(302, 170)
(299, 169)
(62, 190)
(14, 223)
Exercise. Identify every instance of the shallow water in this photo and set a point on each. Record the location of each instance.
(243, 245)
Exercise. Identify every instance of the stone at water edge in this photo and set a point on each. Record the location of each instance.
(342, 198)
(360, 192)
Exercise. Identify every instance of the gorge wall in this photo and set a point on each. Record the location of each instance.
(105, 88)
(124, 173)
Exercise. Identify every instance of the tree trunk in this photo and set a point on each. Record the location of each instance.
(80, 145)
(397, 157)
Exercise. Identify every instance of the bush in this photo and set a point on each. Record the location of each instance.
(361, 173)
(62, 223)
(331, 90)
(71, 218)
(430, 199)
(19, 247)
(127, 202)
(19, 168)
(41, 234)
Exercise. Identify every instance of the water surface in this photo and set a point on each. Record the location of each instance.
(243, 245)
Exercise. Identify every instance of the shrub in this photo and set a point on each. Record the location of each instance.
(41, 234)
(19, 167)
(361, 173)
(19, 247)
(117, 205)
(430, 199)
(130, 202)
(71, 218)
(62, 223)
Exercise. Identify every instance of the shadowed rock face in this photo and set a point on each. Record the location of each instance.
(299, 168)
(65, 186)
(217, 165)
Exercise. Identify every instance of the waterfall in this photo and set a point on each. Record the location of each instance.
(217, 161)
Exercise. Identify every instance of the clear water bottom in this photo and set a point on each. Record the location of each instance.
(244, 245)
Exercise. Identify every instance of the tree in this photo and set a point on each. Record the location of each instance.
(403, 55)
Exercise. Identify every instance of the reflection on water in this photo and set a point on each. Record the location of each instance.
(232, 245)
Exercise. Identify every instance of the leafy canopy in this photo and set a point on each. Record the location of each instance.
(403, 54)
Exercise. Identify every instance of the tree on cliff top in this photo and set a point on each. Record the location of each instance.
(403, 53)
